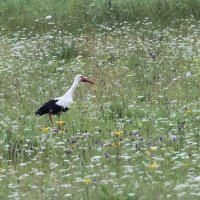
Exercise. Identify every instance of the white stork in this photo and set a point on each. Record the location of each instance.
(61, 104)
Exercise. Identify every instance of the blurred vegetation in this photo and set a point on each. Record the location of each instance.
(84, 15)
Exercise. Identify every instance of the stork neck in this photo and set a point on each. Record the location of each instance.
(70, 92)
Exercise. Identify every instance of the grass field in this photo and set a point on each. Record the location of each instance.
(134, 134)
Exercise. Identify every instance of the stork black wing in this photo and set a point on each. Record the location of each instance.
(50, 107)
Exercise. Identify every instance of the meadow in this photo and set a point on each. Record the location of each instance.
(132, 135)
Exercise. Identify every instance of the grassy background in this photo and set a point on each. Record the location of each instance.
(132, 135)
(78, 15)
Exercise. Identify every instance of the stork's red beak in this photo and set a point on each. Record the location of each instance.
(85, 79)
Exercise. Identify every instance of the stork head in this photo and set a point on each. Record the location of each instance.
(81, 78)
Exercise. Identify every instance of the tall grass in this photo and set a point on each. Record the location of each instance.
(76, 15)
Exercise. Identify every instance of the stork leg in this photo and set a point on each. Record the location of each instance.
(50, 117)
(58, 121)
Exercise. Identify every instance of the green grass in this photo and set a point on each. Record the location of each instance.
(82, 16)
(134, 134)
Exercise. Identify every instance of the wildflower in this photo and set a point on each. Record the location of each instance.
(61, 131)
(115, 144)
(153, 148)
(60, 122)
(48, 17)
(153, 166)
(188, 74)
(68, 195)
(131, 194)
(173, 137)
(117, 133)
(87, 181)
(95, 159)
(188, 110)
(45, 130)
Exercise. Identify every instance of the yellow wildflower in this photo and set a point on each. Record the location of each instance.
(117, 133)
(153, 166)
(61, 131)
(45, 130)
(116, 144)
(188, 110)
(113, 145)
(60, 122)
(87, 181)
